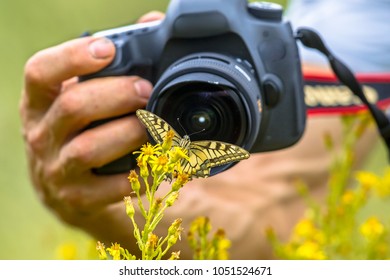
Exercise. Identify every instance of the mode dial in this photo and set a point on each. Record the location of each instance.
(266, 10)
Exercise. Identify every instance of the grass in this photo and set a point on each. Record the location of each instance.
(27, 229)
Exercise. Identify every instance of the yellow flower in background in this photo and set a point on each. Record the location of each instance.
(67, 251)
(372, 228)
(310, 251)
(383, 188)
(304, 228)
(348, 197)
(222, 244)
(367, 178)
(331, 229)
(205, 248)
(381, 185)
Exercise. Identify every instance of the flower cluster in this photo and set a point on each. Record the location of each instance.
(205, 248)
(341, 229)
(156, 163)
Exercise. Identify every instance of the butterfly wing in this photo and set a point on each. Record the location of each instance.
(207, 154)
(157, 127)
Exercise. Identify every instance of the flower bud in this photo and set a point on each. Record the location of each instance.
(171, 199)
(101, 250)
(133, 178)
(129, 206)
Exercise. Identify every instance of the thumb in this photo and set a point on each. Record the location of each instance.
(50, 67)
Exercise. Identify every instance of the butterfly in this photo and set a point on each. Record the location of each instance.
(203, 155)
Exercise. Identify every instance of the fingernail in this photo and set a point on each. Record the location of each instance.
(143, 88)
(101, 48)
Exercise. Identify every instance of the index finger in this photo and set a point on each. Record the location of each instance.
(47, 69)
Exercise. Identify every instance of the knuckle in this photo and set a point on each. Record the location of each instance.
(78, 153)
(126, 85)
(33, 71)
(54, 172)
(36, 140)
(69, 104)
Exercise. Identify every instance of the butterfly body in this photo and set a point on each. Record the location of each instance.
(203, 155)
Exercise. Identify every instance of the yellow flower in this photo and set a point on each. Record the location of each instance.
(181, 180)
(201, 225)
(221, 244)
(167, 143)
(304, 228)
(372, 228)
(310, 250)
(175, 255)
(148, 151)
(115, 251)
(67, 251)
(368, 180)
(174, 231)
(177, 154)
(348, 197)
(143, 167)
(160, 164)
(383, 187)
(151, 244)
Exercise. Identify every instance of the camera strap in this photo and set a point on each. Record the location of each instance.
(325, 95)
(311, 39)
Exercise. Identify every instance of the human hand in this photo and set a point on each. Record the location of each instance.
(55, 109)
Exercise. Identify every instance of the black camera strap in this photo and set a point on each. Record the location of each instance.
(311, 39)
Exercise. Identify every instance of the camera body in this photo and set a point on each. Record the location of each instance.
(221, 70)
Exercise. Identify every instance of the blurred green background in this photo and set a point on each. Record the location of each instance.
(27, 229)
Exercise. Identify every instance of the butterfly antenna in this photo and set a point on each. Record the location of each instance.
(182, 127)
(196, 132)
(185, 132)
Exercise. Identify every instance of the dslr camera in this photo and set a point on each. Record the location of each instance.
(222, 70)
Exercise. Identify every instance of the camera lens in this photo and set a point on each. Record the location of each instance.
(209, 97)
(202, 119)
(204, 111)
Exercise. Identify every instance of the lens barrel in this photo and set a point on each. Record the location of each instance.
(210, 96)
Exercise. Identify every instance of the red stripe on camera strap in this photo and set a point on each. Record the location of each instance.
(325, 95)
